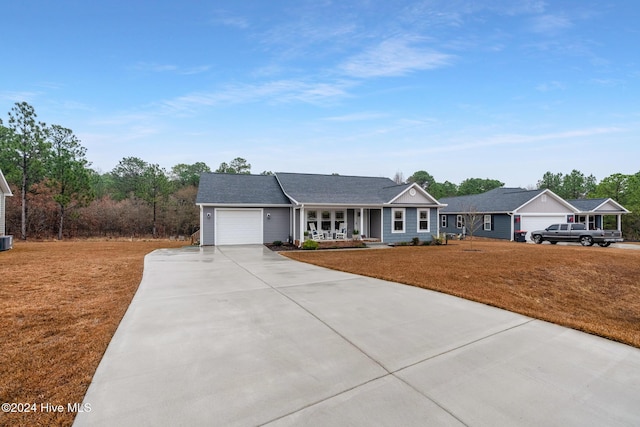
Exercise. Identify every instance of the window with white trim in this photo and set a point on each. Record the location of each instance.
(397, 218)
(325, 222)
(312, 218)
(487, 223)
(340, 218)
(423, 220)
(443, 221)
(459, 221)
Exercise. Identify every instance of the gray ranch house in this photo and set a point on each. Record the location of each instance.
(249, 209)
(503, 212)
(6, 242)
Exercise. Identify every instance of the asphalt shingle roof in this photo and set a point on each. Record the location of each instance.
(220, 188)
(586, 205)
(339, 189)
(496, 200)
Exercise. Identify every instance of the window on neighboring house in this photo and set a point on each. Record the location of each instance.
(459, 221)
(443, 221)
(423, 220)
(398, 220)
(488, 223)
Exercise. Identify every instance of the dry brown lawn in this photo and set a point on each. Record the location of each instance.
(592, 289)
(60, 304)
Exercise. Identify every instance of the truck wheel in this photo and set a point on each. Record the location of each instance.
(604, 244)
(536, 238)
(586, 241)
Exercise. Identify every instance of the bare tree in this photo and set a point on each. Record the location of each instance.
(472, 221)
(398, 178)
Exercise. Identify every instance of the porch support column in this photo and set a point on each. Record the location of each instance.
(586, 221)
(619, 222)
(302, 229)
(361, 221)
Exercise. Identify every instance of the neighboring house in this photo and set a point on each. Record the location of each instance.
(593, 211)
(5, 241)
(505, 211)
(242, 209)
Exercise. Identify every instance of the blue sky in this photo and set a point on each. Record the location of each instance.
(500, 89)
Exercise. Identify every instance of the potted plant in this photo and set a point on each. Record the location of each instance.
(356, 234)
(306, 235)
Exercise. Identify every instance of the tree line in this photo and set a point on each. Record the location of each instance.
(57, 193)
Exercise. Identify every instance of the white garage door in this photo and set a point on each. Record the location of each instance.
(532, 223)
(238, 226)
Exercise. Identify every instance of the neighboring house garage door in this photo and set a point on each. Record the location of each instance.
(532, 223)
(238, 226)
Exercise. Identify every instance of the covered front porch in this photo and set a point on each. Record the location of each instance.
(599, 221)
(336, 223)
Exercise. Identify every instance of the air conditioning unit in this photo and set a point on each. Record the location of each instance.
(6, 243)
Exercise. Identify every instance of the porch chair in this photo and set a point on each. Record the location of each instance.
(315, 234)
(342, 232)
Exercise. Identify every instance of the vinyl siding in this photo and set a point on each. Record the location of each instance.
(451, 225)
(409, 199)
(544, 203)
(410, 226)
(277, 227)
(501, 227)
(208, 226)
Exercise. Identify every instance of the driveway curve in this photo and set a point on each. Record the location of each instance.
(241, 336)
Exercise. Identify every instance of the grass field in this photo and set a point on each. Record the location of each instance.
(61, 302)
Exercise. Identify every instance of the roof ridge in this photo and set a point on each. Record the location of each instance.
(337, 175)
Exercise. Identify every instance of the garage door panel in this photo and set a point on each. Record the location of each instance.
(238, 226)
(532, 223)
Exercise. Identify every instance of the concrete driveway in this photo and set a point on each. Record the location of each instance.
(241, 336)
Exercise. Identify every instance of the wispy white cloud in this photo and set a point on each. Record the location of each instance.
(280, 91)
(194, 70)
(518, 139)
(229, 19)
(550, 24)
(355, 117)
(395, 57)
(308, 37)
(153, 67)
(550, 86)
(454, 13)
(606, 82)
(19, 96)
(169, 68)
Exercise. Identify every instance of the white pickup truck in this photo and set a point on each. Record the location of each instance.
(576, 233)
